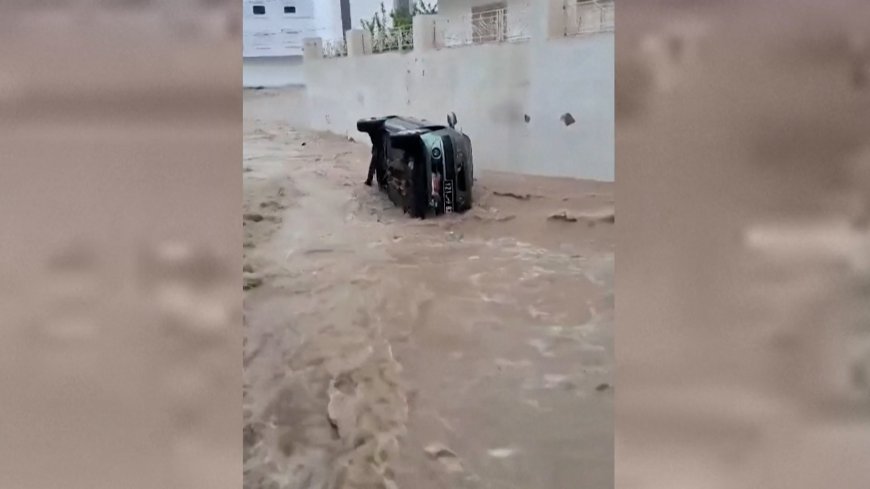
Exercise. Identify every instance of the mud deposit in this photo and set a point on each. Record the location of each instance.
(459, 352)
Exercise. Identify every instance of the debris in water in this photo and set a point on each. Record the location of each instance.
(513, 195)
(271, 205)
(606, 216)
(444, 455)
(562, 216)
(251, 281)
(315, 251)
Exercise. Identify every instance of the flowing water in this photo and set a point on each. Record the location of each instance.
(382, 351)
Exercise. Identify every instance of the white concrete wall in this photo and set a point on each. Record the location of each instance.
(491, 88)
(273, 72)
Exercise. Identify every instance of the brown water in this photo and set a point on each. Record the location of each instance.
(382, 351)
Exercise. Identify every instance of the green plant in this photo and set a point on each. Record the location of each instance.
(425, 9)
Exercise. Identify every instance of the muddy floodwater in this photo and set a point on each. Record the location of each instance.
(468, 351)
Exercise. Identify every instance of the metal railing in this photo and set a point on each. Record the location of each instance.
(493, 25)
(589, 16)
(335, 48)
(489, 25)
(392, 39)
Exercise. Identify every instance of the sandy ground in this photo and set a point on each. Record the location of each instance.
(120, 301)
(472, 351)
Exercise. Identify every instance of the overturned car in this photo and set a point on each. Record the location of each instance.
(424, 168)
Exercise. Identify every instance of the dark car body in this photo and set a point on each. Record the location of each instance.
(425, 168)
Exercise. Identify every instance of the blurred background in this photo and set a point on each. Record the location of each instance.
(742, 274)
(743, 320)
(120, 196)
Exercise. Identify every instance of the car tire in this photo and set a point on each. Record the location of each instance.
(370, 125)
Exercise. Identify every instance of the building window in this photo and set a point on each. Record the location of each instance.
(289, 9)
(259, 10)
(489, 22)
(589, 16)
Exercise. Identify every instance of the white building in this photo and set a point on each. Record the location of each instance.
(272, 40)
(276, 27)
(274, 30)
(481, 21)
